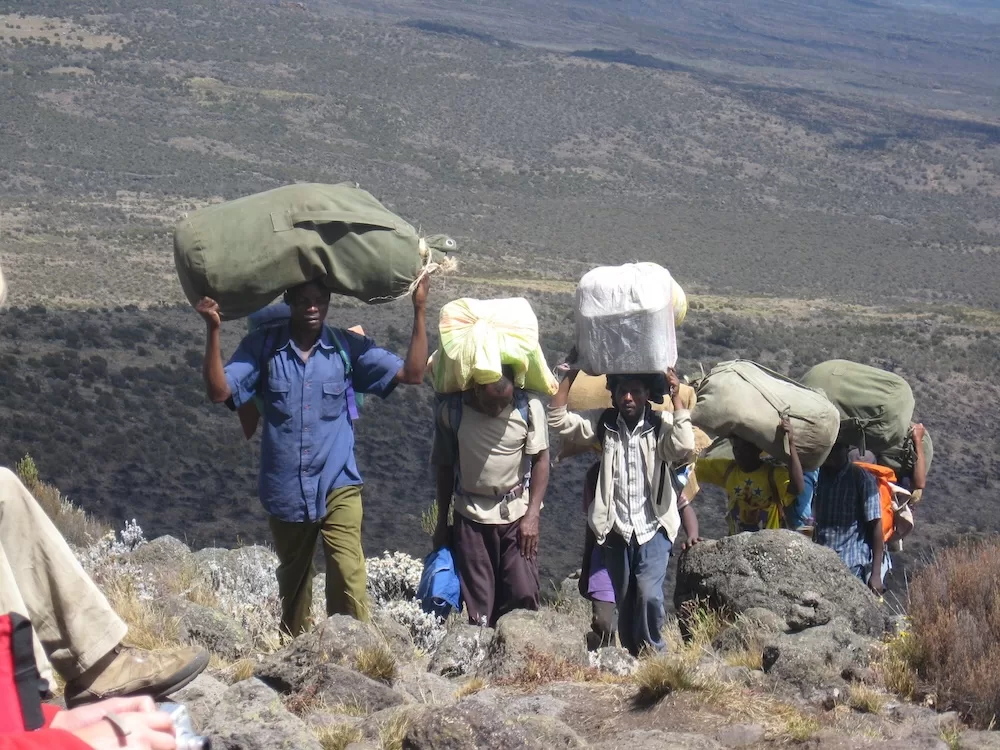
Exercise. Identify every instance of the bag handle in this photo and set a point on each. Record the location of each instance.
(284, 221)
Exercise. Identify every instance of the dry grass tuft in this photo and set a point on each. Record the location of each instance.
(658, 676)
(337, 737)
(470, 687)
(542, 668)
(866, 699)
(376, 662)
(233, 672)
(77, 527)
(895, 666)
(752, 657)
(393, 731)
(797, 726)
(700, 623)
(955, 615)
(148, 627)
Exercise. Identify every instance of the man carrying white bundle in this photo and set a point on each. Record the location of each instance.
(491, 450)
(635, 513)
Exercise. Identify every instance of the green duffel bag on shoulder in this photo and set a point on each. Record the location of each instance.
(246, 252)
(903, 459)
(875, 406)
(745, 399)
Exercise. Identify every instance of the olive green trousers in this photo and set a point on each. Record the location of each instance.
(346, 582)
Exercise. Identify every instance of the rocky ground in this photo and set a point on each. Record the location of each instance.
(776, 645)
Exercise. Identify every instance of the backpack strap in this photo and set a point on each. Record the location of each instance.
(602, 424)
(343, 348)
(28, 684)
(773, 484)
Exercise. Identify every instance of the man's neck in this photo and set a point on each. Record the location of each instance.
(633, 421)
(304, 340)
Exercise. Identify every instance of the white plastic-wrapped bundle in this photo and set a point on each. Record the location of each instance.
(625, 319)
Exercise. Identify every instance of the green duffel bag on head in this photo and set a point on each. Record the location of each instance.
(246, 252)
(742, 398)
(875, 406)
(903, 458)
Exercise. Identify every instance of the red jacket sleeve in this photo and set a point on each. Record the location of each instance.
(43, 739)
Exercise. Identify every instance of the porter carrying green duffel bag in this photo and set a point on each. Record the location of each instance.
(246, 252)
(742, 398)
(875, 406)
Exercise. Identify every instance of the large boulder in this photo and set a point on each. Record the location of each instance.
(818, 657)
(251, 716)
(523, 635)
(336, 640)
(804, 583)
(208, 627)
(461, 651)
(331, 684)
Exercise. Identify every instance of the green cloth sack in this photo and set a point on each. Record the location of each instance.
(902, 460)
(742, 398)
(246, 252)
(875, 406)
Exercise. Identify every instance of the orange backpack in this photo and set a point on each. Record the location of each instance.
(884, 475)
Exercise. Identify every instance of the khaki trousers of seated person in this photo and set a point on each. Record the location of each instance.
(41, 579)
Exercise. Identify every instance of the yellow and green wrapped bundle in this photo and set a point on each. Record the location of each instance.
(479, 337)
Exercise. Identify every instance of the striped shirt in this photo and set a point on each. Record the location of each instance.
(633, 500)
(845, 501)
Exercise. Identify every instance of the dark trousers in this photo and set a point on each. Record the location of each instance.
(603, 621)
(495, 577)
(638, 572)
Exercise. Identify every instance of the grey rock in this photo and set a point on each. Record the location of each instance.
(251, 716)
(613, 660)
(163, 553)
(361, 746)
(331, 683)
(568, 601)
(336, 640)
(461, 651)
(817, 657)
(201, 696)
(396, 636)
(208, 627)
(740, 735)
(537, 705)
(656, 739)
(974, 740)
(419, 686)
(469, 725)
(750, 630)
(522, 634)
(803, 583)
(549, 732)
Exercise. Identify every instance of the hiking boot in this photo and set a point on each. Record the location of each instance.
(132, 671)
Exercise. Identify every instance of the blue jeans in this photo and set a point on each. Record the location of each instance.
(638, 572)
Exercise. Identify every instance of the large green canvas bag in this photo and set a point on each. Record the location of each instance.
(742, 398)
(875, 406)
(246, 252)
(903, 459)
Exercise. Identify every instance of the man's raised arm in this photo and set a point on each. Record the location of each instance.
(211, 368)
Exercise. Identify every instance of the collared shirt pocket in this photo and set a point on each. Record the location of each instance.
(277, 397)
(334, 400)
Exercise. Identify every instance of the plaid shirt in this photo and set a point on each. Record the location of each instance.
(844, 503)
(633, 499)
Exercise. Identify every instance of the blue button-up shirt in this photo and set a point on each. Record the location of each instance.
(307, 446)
